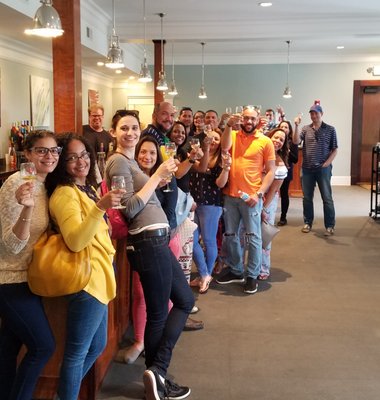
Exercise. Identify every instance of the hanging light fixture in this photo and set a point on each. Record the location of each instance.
(46, 21)
(202, 92)
(172, 89)
(144, 76)
(287, 92)
(115, 53)
(162, 85)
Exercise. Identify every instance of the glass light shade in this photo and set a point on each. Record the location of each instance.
(144, 76)
(46, 21)
(287, 93)
(162, 85)
(115, 54)
(202, 93)
(173, 90)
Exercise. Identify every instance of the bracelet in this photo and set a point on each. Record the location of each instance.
(191, 161)
(26, 219)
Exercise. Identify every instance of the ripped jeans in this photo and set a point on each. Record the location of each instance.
(236, 211)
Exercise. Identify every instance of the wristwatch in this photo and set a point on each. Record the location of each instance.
(259, 195)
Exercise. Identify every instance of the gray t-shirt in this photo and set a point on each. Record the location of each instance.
(137, 213)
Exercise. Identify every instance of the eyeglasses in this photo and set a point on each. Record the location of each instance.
(73, 158)
(43, 151)
(96, 116)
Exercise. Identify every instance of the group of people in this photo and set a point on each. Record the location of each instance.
(173, 206)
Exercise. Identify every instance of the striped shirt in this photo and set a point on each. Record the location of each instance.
(317, 145)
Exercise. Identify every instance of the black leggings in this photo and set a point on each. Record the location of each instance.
(284, 193)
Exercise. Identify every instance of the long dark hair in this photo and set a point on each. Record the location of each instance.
(60, 176)
(284, 151)
(151, 139)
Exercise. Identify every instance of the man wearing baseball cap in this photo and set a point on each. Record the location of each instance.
(319, 150)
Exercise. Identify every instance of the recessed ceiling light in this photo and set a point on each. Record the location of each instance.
(340, 47)
(265, 4)
(118, 71)
(132, 77)
(100, 63)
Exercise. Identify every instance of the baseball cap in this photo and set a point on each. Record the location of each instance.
(316, 108)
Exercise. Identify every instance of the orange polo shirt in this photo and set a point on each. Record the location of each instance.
(249, 154)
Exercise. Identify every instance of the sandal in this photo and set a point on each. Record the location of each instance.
(205, 284)
(196, 282)
(263, 277)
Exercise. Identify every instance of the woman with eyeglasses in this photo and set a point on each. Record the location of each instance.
(149, 254)
(23, 218)
(79, 215)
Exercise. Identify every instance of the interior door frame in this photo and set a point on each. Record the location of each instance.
(357, 127)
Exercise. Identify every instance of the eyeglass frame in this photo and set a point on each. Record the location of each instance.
(85, 155)
(45, 150)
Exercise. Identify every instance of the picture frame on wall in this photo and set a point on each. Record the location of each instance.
(40, 102)
(93, 97)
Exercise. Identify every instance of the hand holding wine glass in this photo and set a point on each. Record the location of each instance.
(118, 182)
(195, 143)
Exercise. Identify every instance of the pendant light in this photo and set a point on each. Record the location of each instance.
(162, 85)
(46, 21)
(172, 89)
(115, 53)
(144, 76)
(202, 92)
(287, 92)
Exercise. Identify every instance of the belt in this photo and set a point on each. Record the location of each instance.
(149, 233)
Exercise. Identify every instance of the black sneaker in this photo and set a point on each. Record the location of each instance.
(174, 391)
(154, 385)
(229, 277)
(250, 286)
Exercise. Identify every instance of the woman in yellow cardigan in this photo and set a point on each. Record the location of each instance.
(80, 217)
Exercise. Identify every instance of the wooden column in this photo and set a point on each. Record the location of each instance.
(158, 95)
(67, 69)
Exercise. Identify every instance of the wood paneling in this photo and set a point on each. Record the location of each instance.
(67, 69)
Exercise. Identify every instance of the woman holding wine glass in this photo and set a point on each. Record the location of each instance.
(23, 218)
(149, 254)
(79, 215)
(206, 187)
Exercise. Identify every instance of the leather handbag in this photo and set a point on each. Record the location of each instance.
(55, 270)
(268, 232)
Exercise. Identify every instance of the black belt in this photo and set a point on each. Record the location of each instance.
(149, 233)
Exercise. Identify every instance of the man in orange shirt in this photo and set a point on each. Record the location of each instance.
(252, 153)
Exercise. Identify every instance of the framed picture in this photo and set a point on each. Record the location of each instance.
(40, 101)
(93, 97)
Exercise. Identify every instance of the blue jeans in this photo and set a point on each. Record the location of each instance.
(207, 219)
(322, 176)
(271, 208)
(237, 211)
(162, 279)
(23, 321)
(86, 338)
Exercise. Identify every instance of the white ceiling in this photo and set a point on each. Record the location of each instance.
(235, 32)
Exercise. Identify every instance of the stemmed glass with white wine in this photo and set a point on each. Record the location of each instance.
(208, 131)
(28, 171)
(118, 182)
(195, 143)
(170, 151)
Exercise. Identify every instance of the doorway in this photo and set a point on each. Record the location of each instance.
(365, 129)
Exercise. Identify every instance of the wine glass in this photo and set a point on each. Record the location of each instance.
(238, 109)
(208, 130)
(195, 143)
(170, 151)
(118, 182)
(229, 110)
(28, 171)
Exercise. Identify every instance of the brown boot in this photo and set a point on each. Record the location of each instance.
(193, 325)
